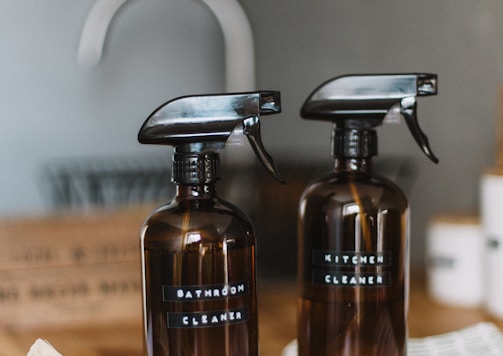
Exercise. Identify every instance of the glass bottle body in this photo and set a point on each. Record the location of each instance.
(353, 264)
(199, 278)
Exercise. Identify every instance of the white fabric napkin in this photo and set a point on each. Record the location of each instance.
(483, 339)
(42, 348)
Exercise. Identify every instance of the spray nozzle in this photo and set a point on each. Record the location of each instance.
(203, 123)
(361, 102)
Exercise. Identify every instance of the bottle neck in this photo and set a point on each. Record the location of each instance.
(353, 165)
(195, 192)
(196, 174)
(353, 149)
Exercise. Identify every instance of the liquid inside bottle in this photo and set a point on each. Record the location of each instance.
(199, 278)
(353, 264)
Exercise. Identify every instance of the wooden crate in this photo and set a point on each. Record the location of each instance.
(70, 269)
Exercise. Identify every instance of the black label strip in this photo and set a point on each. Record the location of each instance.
(351, 258)
(351, 279)
(204, 292)
(207, 319)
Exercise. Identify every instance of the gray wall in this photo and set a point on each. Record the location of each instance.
(52, 108)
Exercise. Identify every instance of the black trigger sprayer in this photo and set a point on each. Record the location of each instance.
(361, 102)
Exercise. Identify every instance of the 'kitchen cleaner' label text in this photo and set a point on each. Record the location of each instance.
(351, 269)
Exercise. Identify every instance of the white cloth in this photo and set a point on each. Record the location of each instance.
(483, 339)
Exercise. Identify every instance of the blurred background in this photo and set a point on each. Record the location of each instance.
(69, 131)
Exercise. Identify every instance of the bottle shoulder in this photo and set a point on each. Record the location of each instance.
(214, 206)
(204, 221)
(348, 188)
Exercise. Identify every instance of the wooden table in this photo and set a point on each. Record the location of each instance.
(277, 307)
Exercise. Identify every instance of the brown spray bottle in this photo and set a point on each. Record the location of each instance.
(353, 224)
(198, 252)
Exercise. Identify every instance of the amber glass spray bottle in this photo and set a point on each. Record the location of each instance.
(198, 252)
(353, 223)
